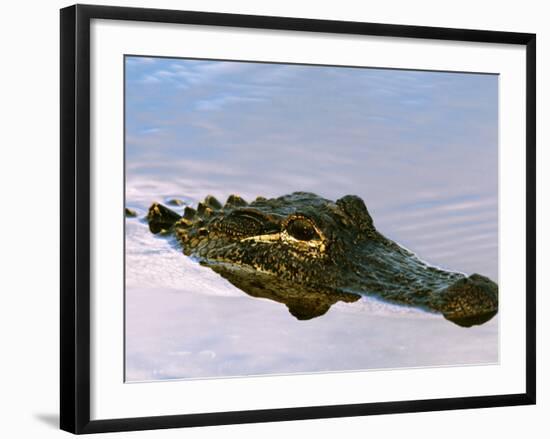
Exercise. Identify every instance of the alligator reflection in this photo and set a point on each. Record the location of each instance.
(469, 321)
(302, 302)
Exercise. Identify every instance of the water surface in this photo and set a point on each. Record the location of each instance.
(420, 148)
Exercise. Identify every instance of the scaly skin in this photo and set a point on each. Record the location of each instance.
(309, 252)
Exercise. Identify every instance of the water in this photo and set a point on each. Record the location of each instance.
(419, 148)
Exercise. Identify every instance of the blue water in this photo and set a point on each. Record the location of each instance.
(420, 148)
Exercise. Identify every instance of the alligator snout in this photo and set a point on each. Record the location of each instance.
(469, 301)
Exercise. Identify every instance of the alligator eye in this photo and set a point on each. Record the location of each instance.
(302, 229)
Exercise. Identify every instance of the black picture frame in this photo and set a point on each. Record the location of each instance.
(75, 217)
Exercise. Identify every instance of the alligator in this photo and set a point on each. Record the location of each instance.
(309, 252)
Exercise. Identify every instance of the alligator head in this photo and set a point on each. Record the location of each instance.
(309, 252)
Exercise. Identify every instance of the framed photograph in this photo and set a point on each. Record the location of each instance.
(274, 218)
